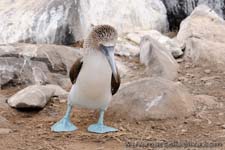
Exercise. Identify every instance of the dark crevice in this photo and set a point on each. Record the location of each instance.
(69, 37)
(178, 12)
(29, 109)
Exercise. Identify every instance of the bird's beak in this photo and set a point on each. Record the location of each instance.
(108, 51)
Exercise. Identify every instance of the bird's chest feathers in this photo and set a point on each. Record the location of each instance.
(95, 76)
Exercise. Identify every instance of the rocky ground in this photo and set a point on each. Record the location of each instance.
(31, 130)
(172, 87)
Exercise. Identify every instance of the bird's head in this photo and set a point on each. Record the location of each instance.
(105, 35)
(103, 38)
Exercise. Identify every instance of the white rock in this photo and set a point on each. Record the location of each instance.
(127, 49)
(35, 96)
(202, 33)
(45, 21)
(151, 98)
(66, 21)
(170, 44)
(159, 61)
(58, 91)
(126, 15)
(135, 37)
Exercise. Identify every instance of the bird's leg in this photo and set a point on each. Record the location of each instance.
(99, 127)
(64, 124)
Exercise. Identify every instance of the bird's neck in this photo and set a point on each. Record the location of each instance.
(92, 51)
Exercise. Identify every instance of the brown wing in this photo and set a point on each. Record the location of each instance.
(115, 85)
(75, 69)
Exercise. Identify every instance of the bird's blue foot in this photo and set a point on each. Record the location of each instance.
(63, 125)
(101, 128)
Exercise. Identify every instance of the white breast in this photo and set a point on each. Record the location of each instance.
(93, 86)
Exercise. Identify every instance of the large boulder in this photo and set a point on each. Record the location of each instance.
(66, 21)
(151, 98)
(158, 60)
(35, 96)
(202, 35)
(126, 15)
(38, 21)
(177, 10)
(35, 64)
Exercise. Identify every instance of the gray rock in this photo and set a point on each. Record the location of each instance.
(39, 76)
(178, 10)
(127, 49)
(202, 34)
(5, 131)
(58, 91)
(63, 82)
(170, 45)
(35, 96)
(158, 61)
(66, 21)
(151, 98)
(35, 64)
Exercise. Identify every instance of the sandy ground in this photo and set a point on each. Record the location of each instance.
(31, 130)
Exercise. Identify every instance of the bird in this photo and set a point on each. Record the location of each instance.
(95, 79)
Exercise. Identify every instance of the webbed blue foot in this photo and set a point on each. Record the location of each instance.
(100, 127)
(64, 124)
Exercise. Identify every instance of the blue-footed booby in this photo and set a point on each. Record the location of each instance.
(95, 79)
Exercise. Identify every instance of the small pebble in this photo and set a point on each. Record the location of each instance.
(5, 131)
(190, 75)
(62, 100)
(187, 66)
(223, 126)
(122, 129)
(182, 79)
(221, 114)
(208, 83)
(208, 71)
(179, 60)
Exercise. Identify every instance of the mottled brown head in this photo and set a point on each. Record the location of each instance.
(103, 38)
(101, 35)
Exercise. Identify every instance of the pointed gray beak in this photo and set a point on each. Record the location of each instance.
(108, 51)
